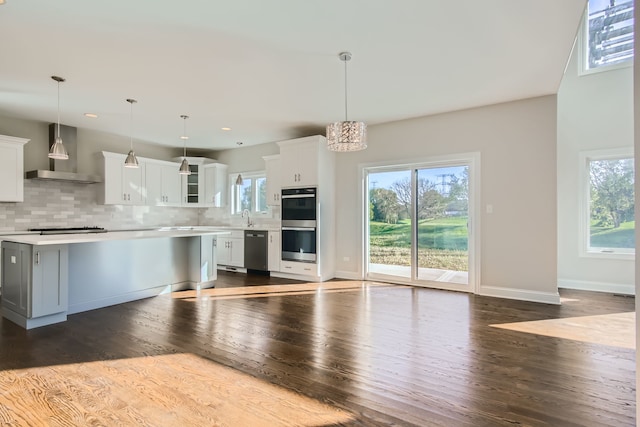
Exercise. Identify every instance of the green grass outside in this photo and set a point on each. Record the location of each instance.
(442, 243)
(609, 237)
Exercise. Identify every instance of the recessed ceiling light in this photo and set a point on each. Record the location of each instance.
(220, 128)
(90, 115)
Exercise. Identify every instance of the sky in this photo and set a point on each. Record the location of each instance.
(386, 179)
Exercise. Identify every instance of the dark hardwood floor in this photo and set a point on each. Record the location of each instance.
(385, 355)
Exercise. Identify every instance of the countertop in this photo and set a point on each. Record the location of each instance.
(63, 239)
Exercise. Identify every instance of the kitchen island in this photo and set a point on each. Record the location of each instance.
(47, 277)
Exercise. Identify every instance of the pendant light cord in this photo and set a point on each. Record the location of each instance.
(346, 114)
(58, 127)
(131, 126)
(184, 133)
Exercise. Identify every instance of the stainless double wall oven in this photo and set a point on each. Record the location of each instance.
(299, 224)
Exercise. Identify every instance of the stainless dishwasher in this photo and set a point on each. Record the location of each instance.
(255, 250)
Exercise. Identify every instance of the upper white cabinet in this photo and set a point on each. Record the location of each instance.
(194, 187)
(299, 160)
(215, 185)
(163, 183)
(12, 168)
(158, 183)
(272, 167)
(122, 186)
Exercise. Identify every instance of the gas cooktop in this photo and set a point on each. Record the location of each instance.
(69, 230)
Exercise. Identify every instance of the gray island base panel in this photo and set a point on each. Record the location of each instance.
(46, 278)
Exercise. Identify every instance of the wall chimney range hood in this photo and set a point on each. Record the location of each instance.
(64, 170)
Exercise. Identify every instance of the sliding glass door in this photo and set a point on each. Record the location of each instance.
(418, 224)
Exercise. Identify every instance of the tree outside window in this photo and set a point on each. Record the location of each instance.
(611, 221)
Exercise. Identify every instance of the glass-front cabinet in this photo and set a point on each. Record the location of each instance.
(193, 185)
(204, 186)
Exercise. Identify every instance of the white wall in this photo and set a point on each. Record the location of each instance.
(517, 142)
(595, 111)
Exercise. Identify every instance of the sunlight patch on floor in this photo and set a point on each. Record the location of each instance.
(175, 389)
(275, 290)
(617, 329)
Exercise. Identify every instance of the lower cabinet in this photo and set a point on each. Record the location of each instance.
(299, 268)
(230, 249)
(274, 251)
(202, 259)
(35, 280)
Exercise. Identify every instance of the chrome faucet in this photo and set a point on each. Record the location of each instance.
(247, 213)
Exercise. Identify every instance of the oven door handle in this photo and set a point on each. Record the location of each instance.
(298, 229)
(298, 196)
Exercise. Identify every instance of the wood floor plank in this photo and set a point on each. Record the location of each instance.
(265, 351)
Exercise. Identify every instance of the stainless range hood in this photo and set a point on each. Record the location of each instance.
(64, 170)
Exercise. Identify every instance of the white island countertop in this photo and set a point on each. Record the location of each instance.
(63, 239)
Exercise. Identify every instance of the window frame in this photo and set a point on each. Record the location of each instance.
(583, 45)
(234, 194)
(585, 250)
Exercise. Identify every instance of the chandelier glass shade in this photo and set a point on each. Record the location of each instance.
(346, 135)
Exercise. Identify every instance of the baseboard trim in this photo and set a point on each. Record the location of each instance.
(119, 299)
(348, 275)
(585, 285)
(520, 294)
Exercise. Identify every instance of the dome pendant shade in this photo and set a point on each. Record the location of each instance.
(347, 136)
(184, 168)
(57, 150)
(131, 160)
(184, 165)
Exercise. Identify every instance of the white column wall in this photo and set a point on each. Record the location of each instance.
(595, 111)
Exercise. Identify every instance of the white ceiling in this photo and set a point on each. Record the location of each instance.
(269, 69)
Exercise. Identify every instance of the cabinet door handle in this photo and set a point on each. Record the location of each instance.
(124, 196)
(37, 258)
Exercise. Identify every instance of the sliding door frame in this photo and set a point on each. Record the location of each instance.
(472, 160)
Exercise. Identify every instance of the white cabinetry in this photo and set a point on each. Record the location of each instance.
(215, 185)
(203, 269)
(122, 186)
(272, 167)
(163, 183)
(274, 253)
(299, 161)
(12, 168)
(230, 249)
(205, 186)
(299, 268)
(306, 162)
(35, 283)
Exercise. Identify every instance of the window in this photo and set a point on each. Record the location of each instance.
(251, 195)
(608, 34)
(609, 217)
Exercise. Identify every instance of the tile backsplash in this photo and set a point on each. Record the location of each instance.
(65, 204)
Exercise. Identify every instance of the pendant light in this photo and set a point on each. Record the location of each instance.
(184, 166)
(346, 135)
(239, 180)
(57, 150)
(132, 160)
